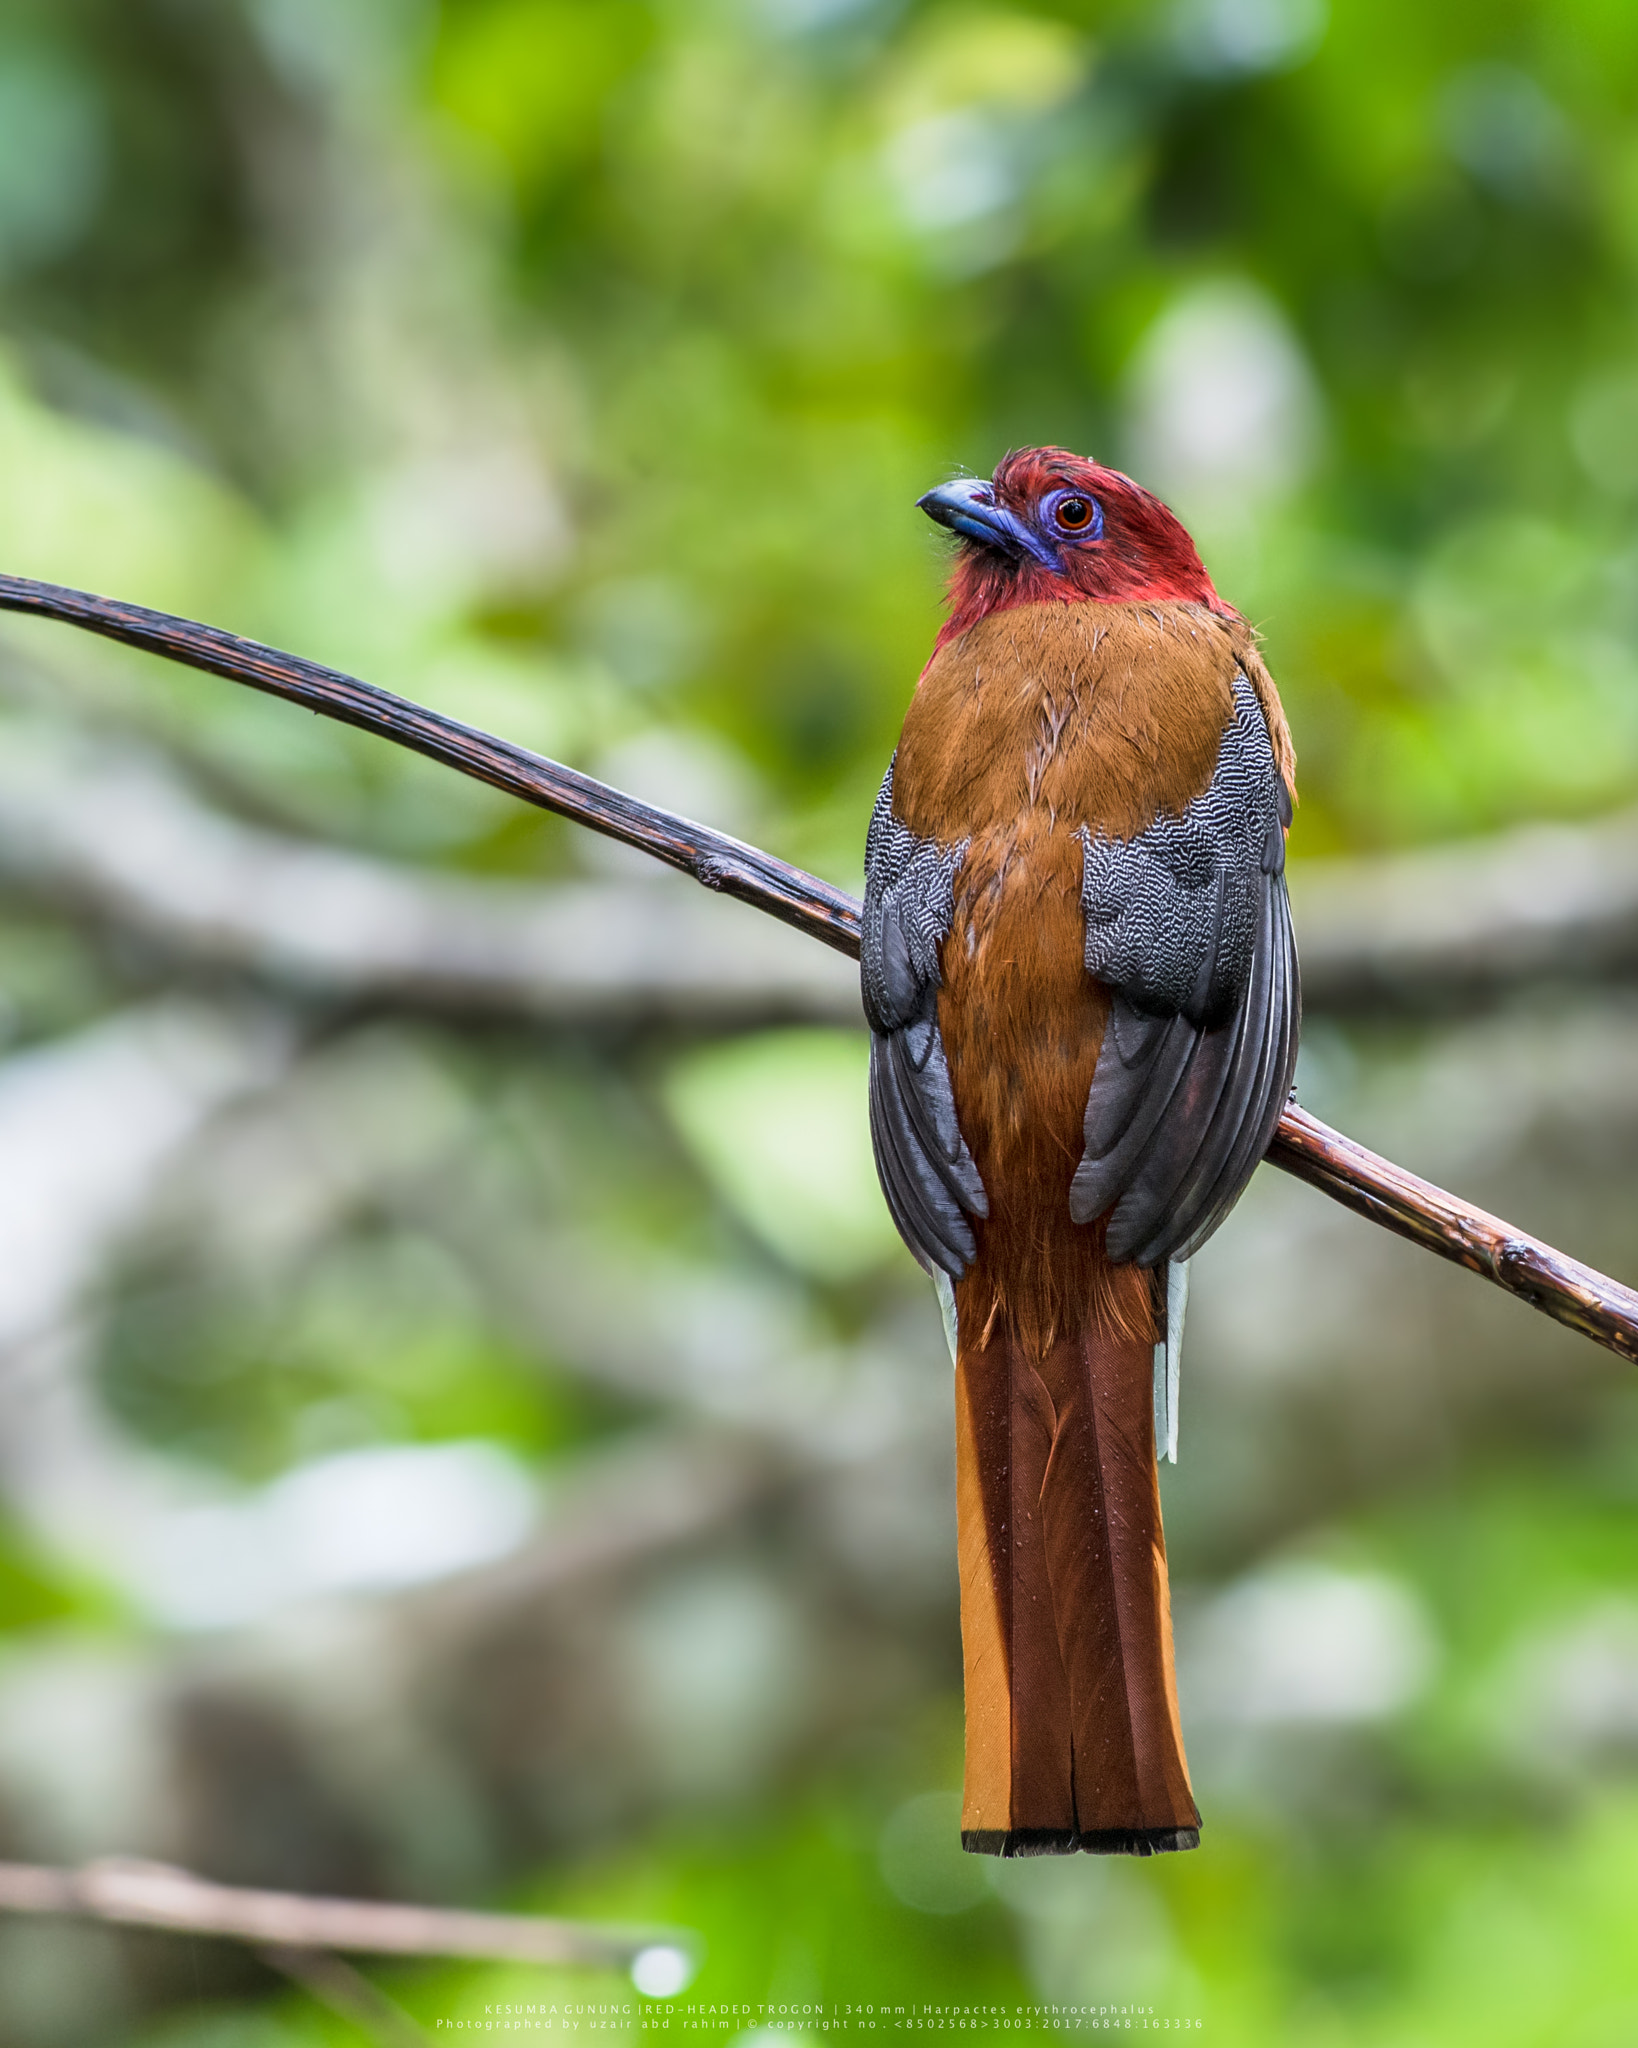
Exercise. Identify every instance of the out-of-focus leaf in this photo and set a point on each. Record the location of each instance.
(779, 1123)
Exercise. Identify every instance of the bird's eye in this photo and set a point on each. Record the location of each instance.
(1074, 515)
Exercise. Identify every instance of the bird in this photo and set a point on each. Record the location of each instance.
(1081, 981)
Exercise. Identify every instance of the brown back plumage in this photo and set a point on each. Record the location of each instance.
(1039, 720)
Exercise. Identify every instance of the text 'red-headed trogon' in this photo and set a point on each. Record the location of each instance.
(1082, 990)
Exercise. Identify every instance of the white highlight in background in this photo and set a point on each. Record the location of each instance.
(662, 1971)
(364, 1521)
(1223, 414)
(1306, 1644)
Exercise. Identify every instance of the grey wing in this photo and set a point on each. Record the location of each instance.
(1189, 925)
(927, 1174)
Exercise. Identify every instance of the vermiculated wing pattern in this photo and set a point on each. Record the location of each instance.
(1189, 925)
(927, 1173)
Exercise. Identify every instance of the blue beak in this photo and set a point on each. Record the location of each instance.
(967, 506)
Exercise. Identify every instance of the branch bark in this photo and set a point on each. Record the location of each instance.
(1590, 1302)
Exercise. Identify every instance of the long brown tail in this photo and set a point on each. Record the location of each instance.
(1073, 1739)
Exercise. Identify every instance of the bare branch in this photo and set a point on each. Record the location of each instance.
(131, 1893)
(1521, 1265)
(1598, 1307)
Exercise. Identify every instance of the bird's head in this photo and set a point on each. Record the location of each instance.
(1054, 526)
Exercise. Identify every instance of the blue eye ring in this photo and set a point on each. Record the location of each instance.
(1086, 515)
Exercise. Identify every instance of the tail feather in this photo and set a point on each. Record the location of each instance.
(1073, 1739)
(1168, 1357)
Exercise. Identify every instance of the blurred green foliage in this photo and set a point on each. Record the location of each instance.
(763, 268)
(575, 365)
(1460, 1892)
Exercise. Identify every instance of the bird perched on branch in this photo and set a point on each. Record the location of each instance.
(1081, 983)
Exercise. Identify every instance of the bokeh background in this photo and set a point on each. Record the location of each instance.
(467, 1430)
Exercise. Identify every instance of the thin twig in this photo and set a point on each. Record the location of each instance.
(130, 1893)
(1560, 1287)
(335, 1984)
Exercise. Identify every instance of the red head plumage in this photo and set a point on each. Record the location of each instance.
(1051, 526)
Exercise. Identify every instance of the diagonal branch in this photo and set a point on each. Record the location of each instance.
(1560, 1287)
(1521, 1265)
